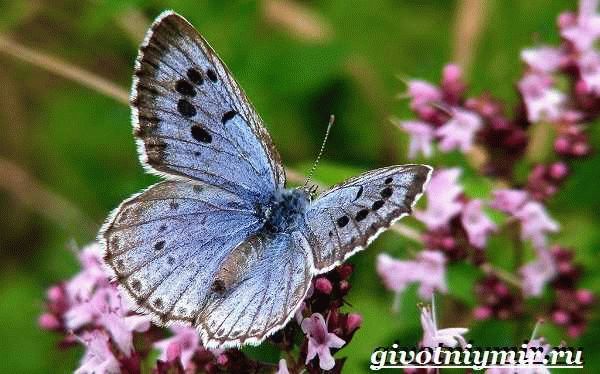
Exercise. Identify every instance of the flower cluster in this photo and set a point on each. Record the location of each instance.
(559, 94)
(89, 309)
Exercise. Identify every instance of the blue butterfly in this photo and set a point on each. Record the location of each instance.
(221, 244)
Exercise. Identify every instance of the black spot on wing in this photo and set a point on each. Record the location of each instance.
(195, 76)
(185, 88)
(362, 214)
(359, 193)
(186, 108)
(343, 221)
(377, 205)
(159, 245)
(386, 192)
(228, 116)
(210, 73)
(201, 135)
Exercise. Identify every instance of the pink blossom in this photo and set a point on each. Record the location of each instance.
(282, 368)
(98, 357)
(421, 137)
(91, 276)
(422, 93)
(320, 341)
(121, 329)
(538, 272)
(442, 193)
(432, 270)
(459, 132)
(541, 100)
(477, 225)
(323, 285)
(542, 59)
(535, 223)
(432, 337)
(508, 201)
(353, 321)
(48, 321)
(87, 311)
(185, 341)
(428, 269)
(396, 274)
(586, 29)
(589, 66)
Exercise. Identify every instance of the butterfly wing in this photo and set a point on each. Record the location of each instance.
(165, 245)
(265, 300)
(191, 118)
(348, 217)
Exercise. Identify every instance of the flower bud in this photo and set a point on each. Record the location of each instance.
(323, 285)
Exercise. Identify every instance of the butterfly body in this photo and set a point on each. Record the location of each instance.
(286, 212)
(221, 244)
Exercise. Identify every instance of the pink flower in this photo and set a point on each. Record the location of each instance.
(442, 193)
(477, 225)
(185, 342)
(459, 131)
(320, 340)
(542, 59)
(541, 100)
(396, 274)
(535, 223)
(422, 93)
(98, 357)
(589, 66)
(282, 369)
(323, 285)
(121, 329)
(537, 273)
(102, 301)
(584, 32)
(432, 337)
(508, 201)
(431, 267)
(92, 275)
(48, 321)
(428, 269)
(353, 321)
(421, 136)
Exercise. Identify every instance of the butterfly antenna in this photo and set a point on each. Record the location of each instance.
(314, 166)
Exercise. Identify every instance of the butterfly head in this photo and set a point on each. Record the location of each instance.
(310, 190)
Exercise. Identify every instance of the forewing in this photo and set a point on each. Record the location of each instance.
(192, 119)
(165, 245)
(264, 300)
(348, 217)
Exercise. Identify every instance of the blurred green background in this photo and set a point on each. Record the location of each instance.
(67, 156)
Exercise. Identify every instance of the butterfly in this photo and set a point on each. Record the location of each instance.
(221, 244)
